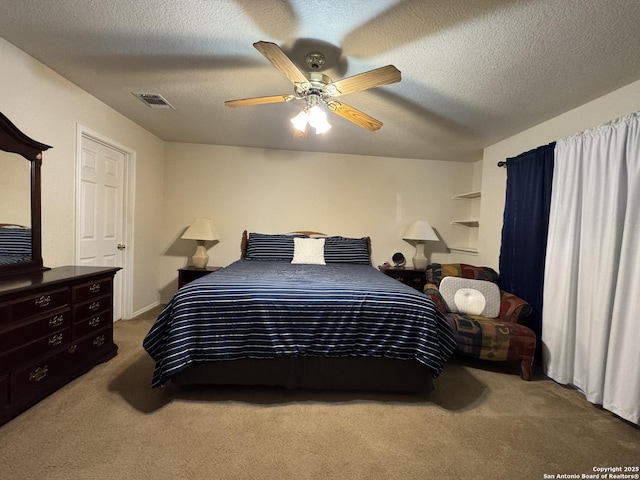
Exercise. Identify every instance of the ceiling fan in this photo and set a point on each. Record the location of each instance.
(317, 89)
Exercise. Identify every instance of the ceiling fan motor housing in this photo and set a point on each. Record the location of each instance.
(319, 85)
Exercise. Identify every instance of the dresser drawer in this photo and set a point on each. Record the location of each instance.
(42, 346)
(4, 391)
(92, 290)
(97, 346)
(28, 331)
(4, 313)
(44, 376)
(91, 308)
(40, 303)
(92, 324)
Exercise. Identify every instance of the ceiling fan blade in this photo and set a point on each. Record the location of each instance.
(245, 102)
(272, 52)
(371, 79)
(356, 116)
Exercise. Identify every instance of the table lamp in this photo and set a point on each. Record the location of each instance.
(420, 231)
(201, 230)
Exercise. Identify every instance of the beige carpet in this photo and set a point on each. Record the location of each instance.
(479, 423)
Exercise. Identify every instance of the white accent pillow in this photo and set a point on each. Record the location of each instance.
(308, 251)
(474, 297)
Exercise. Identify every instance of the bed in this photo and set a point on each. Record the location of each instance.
(300, 311)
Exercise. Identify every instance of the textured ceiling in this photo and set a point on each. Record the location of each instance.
(473, 72)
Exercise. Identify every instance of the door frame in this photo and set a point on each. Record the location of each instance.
(126, 295)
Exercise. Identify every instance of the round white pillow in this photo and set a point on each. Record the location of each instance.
(469, 300)
(474, 297)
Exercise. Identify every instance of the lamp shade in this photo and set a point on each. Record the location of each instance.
(420, 230)
(201, 229)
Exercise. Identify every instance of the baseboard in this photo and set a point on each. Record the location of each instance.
(145, 309)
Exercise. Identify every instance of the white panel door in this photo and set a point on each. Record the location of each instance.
(101, 211)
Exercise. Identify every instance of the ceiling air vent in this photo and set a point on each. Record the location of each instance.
(153, 100)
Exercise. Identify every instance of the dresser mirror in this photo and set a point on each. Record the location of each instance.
(20, 201)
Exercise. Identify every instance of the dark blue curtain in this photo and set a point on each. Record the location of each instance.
(524, 231)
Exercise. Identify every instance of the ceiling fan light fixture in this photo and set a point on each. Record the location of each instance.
(314, 117)
(300, 120)
(322, 127)
(318, 120)
(317, 116)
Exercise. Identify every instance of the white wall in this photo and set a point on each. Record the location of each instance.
(48, 108)
(604, 109)
(273, 191)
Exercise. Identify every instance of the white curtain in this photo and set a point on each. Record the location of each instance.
(591, 312)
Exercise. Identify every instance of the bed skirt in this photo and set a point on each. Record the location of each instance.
(344, 373)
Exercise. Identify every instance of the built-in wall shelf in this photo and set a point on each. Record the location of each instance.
(467, 250)
(466, 241)
(466, 223)
(475, 194)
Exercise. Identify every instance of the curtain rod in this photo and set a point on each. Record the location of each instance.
(502, 164)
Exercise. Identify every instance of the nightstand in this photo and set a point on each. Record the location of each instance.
(407, 275)
(190, 273)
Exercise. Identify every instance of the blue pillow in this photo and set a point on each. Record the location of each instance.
(347, 250)
(261, 246)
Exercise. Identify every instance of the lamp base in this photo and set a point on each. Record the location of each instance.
(420, 262)
(200, 259)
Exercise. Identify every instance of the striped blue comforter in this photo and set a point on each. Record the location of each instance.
(15, 244)
(268, 309)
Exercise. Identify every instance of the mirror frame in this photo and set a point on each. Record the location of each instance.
(14, 141)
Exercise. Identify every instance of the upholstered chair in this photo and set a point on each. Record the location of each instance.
(484, 318)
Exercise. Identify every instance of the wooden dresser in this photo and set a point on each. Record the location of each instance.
(54, 326)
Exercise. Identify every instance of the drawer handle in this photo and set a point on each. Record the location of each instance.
(56, 321)
(94, 306)
(43, 301)
(39, 374)
(98, 341)
(56, 340)
(95, 288)
(73, 348)
(94, 322)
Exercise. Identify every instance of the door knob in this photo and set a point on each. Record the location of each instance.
(121, 246)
